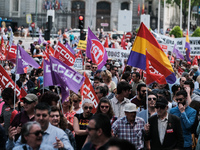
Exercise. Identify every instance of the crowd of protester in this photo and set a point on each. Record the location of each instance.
(130, 114)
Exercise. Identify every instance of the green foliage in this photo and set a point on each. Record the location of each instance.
(176, 31)
(196, 32)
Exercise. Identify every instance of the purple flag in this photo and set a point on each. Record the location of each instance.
(24, 60)
(95, 50)
(64, 76)
(69, 48)
(40, 40)
(177, 53)
(47, 74)
(49, 82)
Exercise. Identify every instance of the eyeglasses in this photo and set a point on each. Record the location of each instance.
(86, 107)
(116, 70)
(179, 99)
(89, 129)
(104, 107)
(88, 66)
(160, 106)
(36, 133)
(149, 99)
(143, 91)
(97, 92)
(43, 115)
(28, 102)
(75, 101)
(54, 116)
(94, 67)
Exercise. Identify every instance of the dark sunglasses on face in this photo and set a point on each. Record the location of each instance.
(161, 107)
(54, 116)
(89, 129)
(104, 107)
(28, 102)
(86, 107)
(37, 133)
(43, 115)
(149, 99)
(75, 101)
(179, 99)
(143, 91)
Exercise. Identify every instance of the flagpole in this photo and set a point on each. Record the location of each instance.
(181, 14)
(15, 74)
(43, 76)
(164, 17)
(59, 99)
(158, 16)
(189, 16)
(147, 103)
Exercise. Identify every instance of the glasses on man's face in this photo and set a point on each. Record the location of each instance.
(37, 133)
(160, 106)
(104, 107)
(27, 102)
(90, 129)
(43, 115)
(88, 66)
(94, 67)
(179, 99)
(152, 98)
(75, 101)
(86, 107)
(52, 116)
(143, 91)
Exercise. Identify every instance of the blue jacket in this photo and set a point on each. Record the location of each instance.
(187, 120)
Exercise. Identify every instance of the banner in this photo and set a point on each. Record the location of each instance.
(64, 55)
(78, 65)
(82, 45)
(87, 91)
(6, 81)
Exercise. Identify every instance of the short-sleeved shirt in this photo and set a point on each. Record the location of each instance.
(133, 133)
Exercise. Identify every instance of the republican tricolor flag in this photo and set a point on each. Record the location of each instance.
(146, 46)
(187, 47)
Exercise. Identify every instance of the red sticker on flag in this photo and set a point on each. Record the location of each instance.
(97, 51)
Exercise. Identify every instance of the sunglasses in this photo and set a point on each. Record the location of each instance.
(86, 107)
(54, 116)
(161, 107)
(75, 101)
(94, 67)
(105, 107)
(149, 99)
(43, 115)
(90, 129)
(143, 91)
(37, 133)
(28, 102)
(179, 99)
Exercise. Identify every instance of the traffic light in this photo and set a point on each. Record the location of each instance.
(47, 35)
(81, 22)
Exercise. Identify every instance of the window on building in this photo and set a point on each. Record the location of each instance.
(15, 5)
(125, 5)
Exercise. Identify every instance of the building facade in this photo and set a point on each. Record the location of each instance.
(95, 12)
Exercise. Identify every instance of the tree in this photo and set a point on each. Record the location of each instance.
(176, 31)
(196, 32)
(185, 4)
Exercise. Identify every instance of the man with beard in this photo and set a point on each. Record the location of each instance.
(99, 132)
(152, 98)
(187, 116)
(140, 98)
(121, 98)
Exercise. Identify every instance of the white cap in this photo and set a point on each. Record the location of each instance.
(130, 107)
(86, 100)
(117, 64)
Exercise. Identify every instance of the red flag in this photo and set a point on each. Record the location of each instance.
(195, 61)
(64, 55)
(106, 43)
(143, 8)
(123, 43)
(138, 9)
(151, 77)
(87, 91)
(180, 70)
(12, 51)
(6, 81)
(2, 46)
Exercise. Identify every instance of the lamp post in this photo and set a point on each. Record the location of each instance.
(35, 17)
